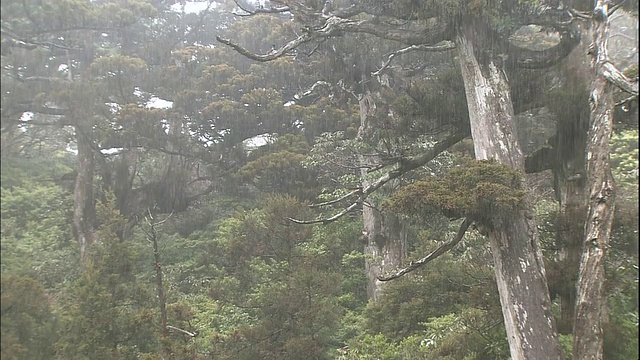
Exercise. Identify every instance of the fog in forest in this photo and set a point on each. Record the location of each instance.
(339, 179)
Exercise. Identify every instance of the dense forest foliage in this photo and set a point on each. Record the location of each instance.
(168, 193)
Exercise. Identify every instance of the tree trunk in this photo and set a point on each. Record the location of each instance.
(569, 235)
(570, 181)
(384, 234)
(519, 268)
(591, 301)
(385, 248)
(159, 282)
(84, 203)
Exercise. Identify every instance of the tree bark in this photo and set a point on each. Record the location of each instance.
(384, 234)
(591, 304)
(569, 235)
(519, 268)
(385, 249)
(84, 202)
(153, 237)
(570, 182)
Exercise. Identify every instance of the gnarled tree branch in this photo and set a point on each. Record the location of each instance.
(260, 10)
(429, 32)
(444, 46)
(617, 78)
(538, 59)
(404, 166)
(432, 255)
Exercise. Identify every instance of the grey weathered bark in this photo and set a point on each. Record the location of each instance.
(570, 232)
(84, 202)
(590, 314)
(570, 185)
(385, 249)
(518, 263)
(152, 237)
(384, 234)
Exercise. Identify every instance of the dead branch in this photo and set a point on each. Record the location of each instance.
(312, 89)
(333, 218)
(431, 31)
(152, 225)
(525, 58)
(273, 54)
(579, 14)
(260, 10)
(335, 200)
(152, 237)
(433, 255)
(18, 41)
(444, 46)
(616, 7)
(191, 334)
(626, 100)
(617, 78)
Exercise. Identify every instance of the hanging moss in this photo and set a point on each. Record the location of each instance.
(482, 190)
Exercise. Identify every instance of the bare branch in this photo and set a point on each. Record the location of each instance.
(312, 89)
(149, 219)
(433, 255)
(332, 218)
(617, 78)
(444, 46)
(616, 7)
(28, 44)
(273, 54)
(431, 31)
(37, 78)
(39, 109)
(579, 14)
(191, 334)
(524, 58)
(626, 100)
(260, 10)
(625, 36)
(336, 200)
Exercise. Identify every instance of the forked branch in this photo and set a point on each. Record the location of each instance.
(431, 32)
(443, 46)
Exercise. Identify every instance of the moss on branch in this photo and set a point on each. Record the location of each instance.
(479, 190)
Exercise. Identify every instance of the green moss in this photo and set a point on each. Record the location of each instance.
(481, 190)
(631, 72)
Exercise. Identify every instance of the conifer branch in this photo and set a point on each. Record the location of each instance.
(403, 166)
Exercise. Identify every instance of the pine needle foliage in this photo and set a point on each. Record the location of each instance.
(480, 190)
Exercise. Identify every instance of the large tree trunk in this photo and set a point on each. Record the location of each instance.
(384, 234)
(591, 301)
(518, 263)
